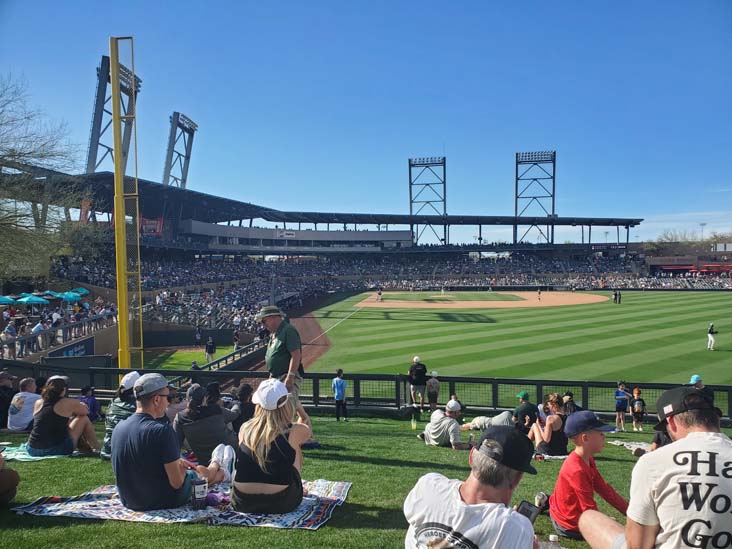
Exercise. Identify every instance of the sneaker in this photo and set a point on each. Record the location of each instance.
(540, 500)
(217, 455)
(345, 419)
(228, 464)
(640, 429)
(638, 452)
(635, 429)
(421, 437)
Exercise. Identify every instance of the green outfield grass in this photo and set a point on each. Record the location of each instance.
(650, 337)
(448, 297)
(171, 359)
(381, 457)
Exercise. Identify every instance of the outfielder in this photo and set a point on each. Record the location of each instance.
(710, 337)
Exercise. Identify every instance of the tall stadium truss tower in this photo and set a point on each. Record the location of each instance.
(180, 144)
(100, 135)
(535, 192)
(428, 194)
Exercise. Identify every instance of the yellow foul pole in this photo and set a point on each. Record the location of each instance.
(120, 240)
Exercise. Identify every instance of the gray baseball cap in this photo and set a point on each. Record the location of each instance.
(149, 383)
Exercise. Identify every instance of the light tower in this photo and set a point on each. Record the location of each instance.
(428, 193)
(535, 192)
(177, 161)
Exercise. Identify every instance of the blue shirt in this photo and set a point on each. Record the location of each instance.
(621, 398)
(141, 446)
(339, 388)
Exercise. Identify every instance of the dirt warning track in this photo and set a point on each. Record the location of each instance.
(529, 299)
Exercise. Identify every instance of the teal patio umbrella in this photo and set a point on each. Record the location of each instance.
(51, 292)
(32, 300)
(80, 291)
(6, 300)
(70, 297)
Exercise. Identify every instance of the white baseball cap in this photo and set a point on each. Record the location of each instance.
(128, 381)
(415, 359)
(453, 406)
(269, 393)
(433, 374)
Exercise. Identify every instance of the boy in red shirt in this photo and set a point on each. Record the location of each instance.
(579, 478)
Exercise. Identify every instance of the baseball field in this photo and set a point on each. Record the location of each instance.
(649, 337)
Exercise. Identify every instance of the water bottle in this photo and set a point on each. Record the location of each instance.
(414, 423)
(553, 543)
(199, 493)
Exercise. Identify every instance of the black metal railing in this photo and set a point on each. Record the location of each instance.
(478, 395)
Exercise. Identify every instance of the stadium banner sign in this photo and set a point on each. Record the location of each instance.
(79, 348)
(152, 226)
(286, 234)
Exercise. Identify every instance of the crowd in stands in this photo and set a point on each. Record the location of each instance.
(39, 328)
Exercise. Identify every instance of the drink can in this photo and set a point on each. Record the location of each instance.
(199, 493)
(539, 457)
(471, 440)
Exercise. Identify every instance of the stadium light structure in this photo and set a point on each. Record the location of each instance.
(182, 130)
(428, 194)
(130, 86)
(534, 192)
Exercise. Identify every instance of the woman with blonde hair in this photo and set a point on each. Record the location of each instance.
(269, 455)
(550, 439)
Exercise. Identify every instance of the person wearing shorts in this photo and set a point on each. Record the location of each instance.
(417, 381)
(284, 354)
(622, 397)
(433, 391)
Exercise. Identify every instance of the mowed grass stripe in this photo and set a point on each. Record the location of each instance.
(681, 313)
(487, 334)
(561, 317)
(518, 352)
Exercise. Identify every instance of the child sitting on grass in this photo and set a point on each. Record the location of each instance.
(579, 478)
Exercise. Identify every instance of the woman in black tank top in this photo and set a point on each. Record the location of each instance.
(269, 456)
(551, 439)
(59, 422)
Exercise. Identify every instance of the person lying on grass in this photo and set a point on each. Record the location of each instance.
(60, 423)
(579, 479)
(146, 454)
(269, 455)
(444, 428)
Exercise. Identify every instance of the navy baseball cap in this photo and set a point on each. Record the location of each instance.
(516, 450)
(581, 422)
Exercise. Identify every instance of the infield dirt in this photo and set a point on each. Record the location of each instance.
(529, 299)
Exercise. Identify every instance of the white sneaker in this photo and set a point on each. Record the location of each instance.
(217, 455)
(640, 429)
(229, 463)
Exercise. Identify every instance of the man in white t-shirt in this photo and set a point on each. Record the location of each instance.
(443, 428)
(476, 513)
(680, 494)
(20, 413)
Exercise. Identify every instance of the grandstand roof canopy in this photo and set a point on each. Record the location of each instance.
(158, 200)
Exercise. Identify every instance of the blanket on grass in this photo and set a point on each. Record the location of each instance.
(630, 445)
(20, 453)
(321, 498)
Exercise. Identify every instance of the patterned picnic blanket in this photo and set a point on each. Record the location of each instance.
(321, 498)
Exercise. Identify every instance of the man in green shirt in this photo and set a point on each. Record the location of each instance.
(523, 410)
(284, 354)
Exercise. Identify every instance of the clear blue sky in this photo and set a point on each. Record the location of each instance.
(317, 105)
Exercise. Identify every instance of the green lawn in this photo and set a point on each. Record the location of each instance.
(171, 359)
(381, 457)
(448, 297)
(650, 337)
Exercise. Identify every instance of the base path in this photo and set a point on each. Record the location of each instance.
(314, 343)
(529, 299)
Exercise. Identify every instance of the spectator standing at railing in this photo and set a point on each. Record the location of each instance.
(622, 398)
(10, 335)
(22, 343)
(210, 350)
(339, 395)
(433, 391)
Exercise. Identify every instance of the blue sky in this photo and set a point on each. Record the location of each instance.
(317, 105)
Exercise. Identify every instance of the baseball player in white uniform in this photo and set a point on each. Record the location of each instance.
(710, 337)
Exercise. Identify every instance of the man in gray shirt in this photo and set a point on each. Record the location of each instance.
(443, 428)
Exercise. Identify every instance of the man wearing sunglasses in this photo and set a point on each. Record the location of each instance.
(146, 454)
